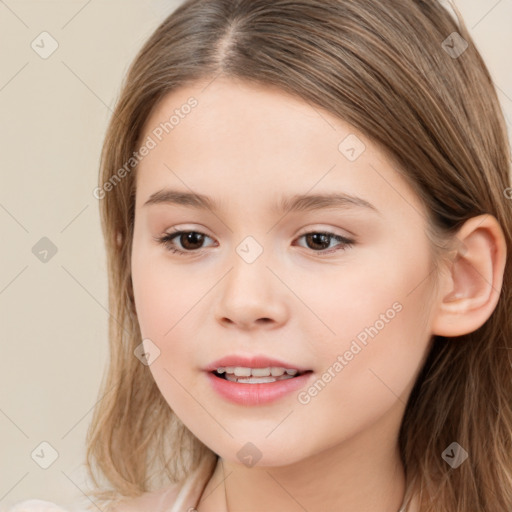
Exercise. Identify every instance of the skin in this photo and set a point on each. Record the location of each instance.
(246, 146)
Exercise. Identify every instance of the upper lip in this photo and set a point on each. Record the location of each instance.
(252, 361)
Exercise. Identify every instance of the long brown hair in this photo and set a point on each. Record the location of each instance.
(396, 71)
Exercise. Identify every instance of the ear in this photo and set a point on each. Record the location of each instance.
(471, 283)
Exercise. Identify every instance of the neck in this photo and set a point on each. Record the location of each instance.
(362, 473)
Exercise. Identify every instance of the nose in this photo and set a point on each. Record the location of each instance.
(251, 297)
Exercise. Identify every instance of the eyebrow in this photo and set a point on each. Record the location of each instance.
(299, 203)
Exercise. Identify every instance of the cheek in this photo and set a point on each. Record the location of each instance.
(364, 378)
(380, 317)
(370, 283)
(364, 381)
(164, 302)
(164, 294)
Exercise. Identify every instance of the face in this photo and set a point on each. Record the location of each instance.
(338, 289)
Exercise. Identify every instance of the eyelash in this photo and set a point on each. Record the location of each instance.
(167, 239)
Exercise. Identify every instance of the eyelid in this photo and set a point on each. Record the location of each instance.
(330, 230)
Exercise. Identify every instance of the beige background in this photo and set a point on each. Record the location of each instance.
(53, 315)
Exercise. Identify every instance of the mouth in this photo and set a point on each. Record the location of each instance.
(246, 375)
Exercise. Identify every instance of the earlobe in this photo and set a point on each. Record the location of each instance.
(471, 283)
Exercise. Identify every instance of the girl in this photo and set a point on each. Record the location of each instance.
(306, 208)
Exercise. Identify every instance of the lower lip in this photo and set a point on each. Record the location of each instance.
(257, 394)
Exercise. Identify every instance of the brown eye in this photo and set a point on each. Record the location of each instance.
(319, 242)
(190, 241)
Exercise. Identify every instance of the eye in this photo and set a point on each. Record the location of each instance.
(322, 240)
(189, 240)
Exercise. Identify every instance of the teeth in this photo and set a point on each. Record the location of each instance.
(241, 371)
(257, 372)
(256, 380)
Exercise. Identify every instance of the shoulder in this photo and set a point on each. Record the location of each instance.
(156, 501)
(36, 506)
(177, 497)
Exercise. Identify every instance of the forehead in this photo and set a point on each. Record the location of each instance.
(244, 119)
(227, 137)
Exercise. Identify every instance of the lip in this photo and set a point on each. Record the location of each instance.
(257, 394)
(252, 361)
